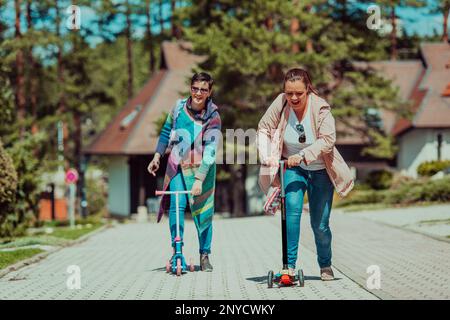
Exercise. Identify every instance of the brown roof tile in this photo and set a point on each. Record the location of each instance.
(446, 92)
(137, 133)
(113, 138)
(434, 110)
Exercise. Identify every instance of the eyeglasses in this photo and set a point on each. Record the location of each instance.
(197, 89)
(301, 130)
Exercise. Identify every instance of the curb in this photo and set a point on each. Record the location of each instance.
(43, 255)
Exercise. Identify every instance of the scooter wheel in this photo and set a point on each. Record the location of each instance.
(270, 279)
(178, 267)
(168, 266)
(301, 278)
(191, 265)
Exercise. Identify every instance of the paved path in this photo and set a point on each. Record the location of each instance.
(413, 265)
(127, 262)
(432, 220)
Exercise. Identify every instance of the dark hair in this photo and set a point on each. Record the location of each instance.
(202, 76)
(295, 74)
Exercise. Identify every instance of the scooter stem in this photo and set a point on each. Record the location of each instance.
(283, 217)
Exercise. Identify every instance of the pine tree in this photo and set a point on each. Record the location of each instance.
(391, 6)
(20, 77)
(249, 45)
(442, 7)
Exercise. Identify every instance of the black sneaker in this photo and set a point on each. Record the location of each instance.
(204, 263)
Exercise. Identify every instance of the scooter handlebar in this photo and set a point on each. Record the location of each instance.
(160, 192)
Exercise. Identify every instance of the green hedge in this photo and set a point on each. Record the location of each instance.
(380, 179)
(429, 168)
(8, 187)
(422, 190)
(96, 195)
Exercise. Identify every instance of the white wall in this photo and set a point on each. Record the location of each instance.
(420, 145)
(119, 186)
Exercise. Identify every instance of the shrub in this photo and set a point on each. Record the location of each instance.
(421, 190)
(380, 179)
(28, 168)
(96, 195)
(8, 185)
(430, 168)
(362, 197)
(437, 190)
(417, 190)
(398, 180)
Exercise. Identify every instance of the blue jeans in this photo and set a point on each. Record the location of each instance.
(177, 184)
(320, 190)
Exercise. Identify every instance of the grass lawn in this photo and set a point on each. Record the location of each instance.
(10, 257)
(381, 206)
(59, 237)
(75, 233)
(364, 207)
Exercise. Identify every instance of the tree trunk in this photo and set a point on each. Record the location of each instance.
(295, 28)
(393, 35)
(77, 138)
(273, 69)
(445, 24)
(309, 43)
(60, 67)
(161, 21)
(129, 52)
(31, 74)
(237, 185)
(20, 79)
(149, 37)
(174, 30)
(344, 10)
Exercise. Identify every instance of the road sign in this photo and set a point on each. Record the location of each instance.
(71, 176)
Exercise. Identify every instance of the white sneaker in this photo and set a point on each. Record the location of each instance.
(326, 274)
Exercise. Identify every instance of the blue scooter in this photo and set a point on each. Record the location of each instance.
(178, 264)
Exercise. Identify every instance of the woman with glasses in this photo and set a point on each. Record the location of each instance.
(190, 133)
(299, 127)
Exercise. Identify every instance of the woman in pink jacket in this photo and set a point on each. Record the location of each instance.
(299, 127)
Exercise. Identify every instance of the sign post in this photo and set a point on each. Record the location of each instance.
(71, 179)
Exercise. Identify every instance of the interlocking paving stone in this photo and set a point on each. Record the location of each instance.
(413, 266)
(128, 262)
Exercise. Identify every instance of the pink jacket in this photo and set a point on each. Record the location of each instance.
(270, 144)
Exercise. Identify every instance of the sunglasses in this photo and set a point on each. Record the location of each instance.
(197, 89)
(301, 130)
(291, 94)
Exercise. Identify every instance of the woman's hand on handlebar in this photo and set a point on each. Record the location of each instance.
(294, 160)
(154, 164)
